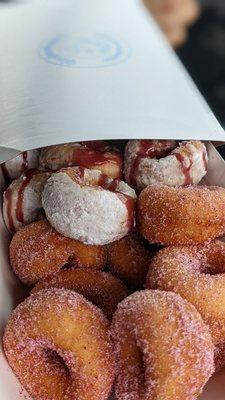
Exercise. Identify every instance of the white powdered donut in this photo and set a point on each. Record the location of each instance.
(152, 162)
(93, 155)
(22, 199)
(88, 206)
(13, 168)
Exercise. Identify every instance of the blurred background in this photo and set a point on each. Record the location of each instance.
(196, 29)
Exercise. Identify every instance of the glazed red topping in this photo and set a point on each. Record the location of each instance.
(19, 206)
(8, 197)
(185, 170)
(151, 149)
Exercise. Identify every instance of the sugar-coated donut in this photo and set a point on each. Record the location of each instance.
(163, 348)
(102, 289)
(93, 155)
(164, 162)
(129, 260)
(183, 215)
(22, 199)
(57, 344)
(85, 205)
(14, 167)
(37, 250)
(197, 273)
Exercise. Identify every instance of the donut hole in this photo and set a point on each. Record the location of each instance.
(214, 263)
(56, 361)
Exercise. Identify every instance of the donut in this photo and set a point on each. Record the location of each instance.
(101, 288)
(92, 155)
(14, 167)
(129, 260)
(22, 199)
(197, 273)
(37, 250)
(164, 162)
(57, 344)
(85, 205)
(181, 216)
(163, 348)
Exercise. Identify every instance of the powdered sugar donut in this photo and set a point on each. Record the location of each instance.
(85, 205)
(58, 345)
(13, 168)
(93, 155)
(163, 348)
(22, 199)
(150, 162)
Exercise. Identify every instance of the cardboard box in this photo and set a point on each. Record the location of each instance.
(90, 70)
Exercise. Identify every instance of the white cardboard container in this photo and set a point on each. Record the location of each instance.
(90, 69)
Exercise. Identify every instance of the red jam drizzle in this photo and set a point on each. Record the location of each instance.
(151, 149)
(8, 197)
(185, 170)
(20, 197)
(25, 161)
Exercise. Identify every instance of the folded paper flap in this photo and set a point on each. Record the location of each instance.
(93, 70)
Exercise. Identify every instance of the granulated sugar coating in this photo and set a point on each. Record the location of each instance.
(101, 288)
(198, 274)
(37, 251)
(88, 206)
(129, 260)
(57, 343)
(181, 215)
(163, 348)
(164, 162)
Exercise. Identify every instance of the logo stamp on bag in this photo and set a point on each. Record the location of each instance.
(85, 50)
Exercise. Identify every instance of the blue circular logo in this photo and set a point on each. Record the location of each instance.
(85, 50)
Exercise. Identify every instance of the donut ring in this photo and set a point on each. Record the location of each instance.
(85, 205)
(92, 155)
(37, 250)
(152, 162)
(13, 168)
(163, 349)
(22, 199)
(198, 275)
(129, 260)
(102, 289)
(184, 215)
(57, 344)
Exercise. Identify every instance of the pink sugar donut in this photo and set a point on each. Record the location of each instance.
(163, 348)
(58, 345)
(22, 199)
(164, 162)
(14, 167)
(85, 205)
(93, 155)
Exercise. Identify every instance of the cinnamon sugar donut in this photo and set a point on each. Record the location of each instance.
(197, 273)
(101, 288)
(163, 348)
(22, 199)
(92, 155)
(37, 250)
(184, 215)
(164, 162)
(14, 167)
(129, 260)
(58, 346)
(85, 205)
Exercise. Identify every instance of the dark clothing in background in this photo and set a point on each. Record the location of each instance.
(204, 55)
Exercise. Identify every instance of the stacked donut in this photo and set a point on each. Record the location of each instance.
(86, 243)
